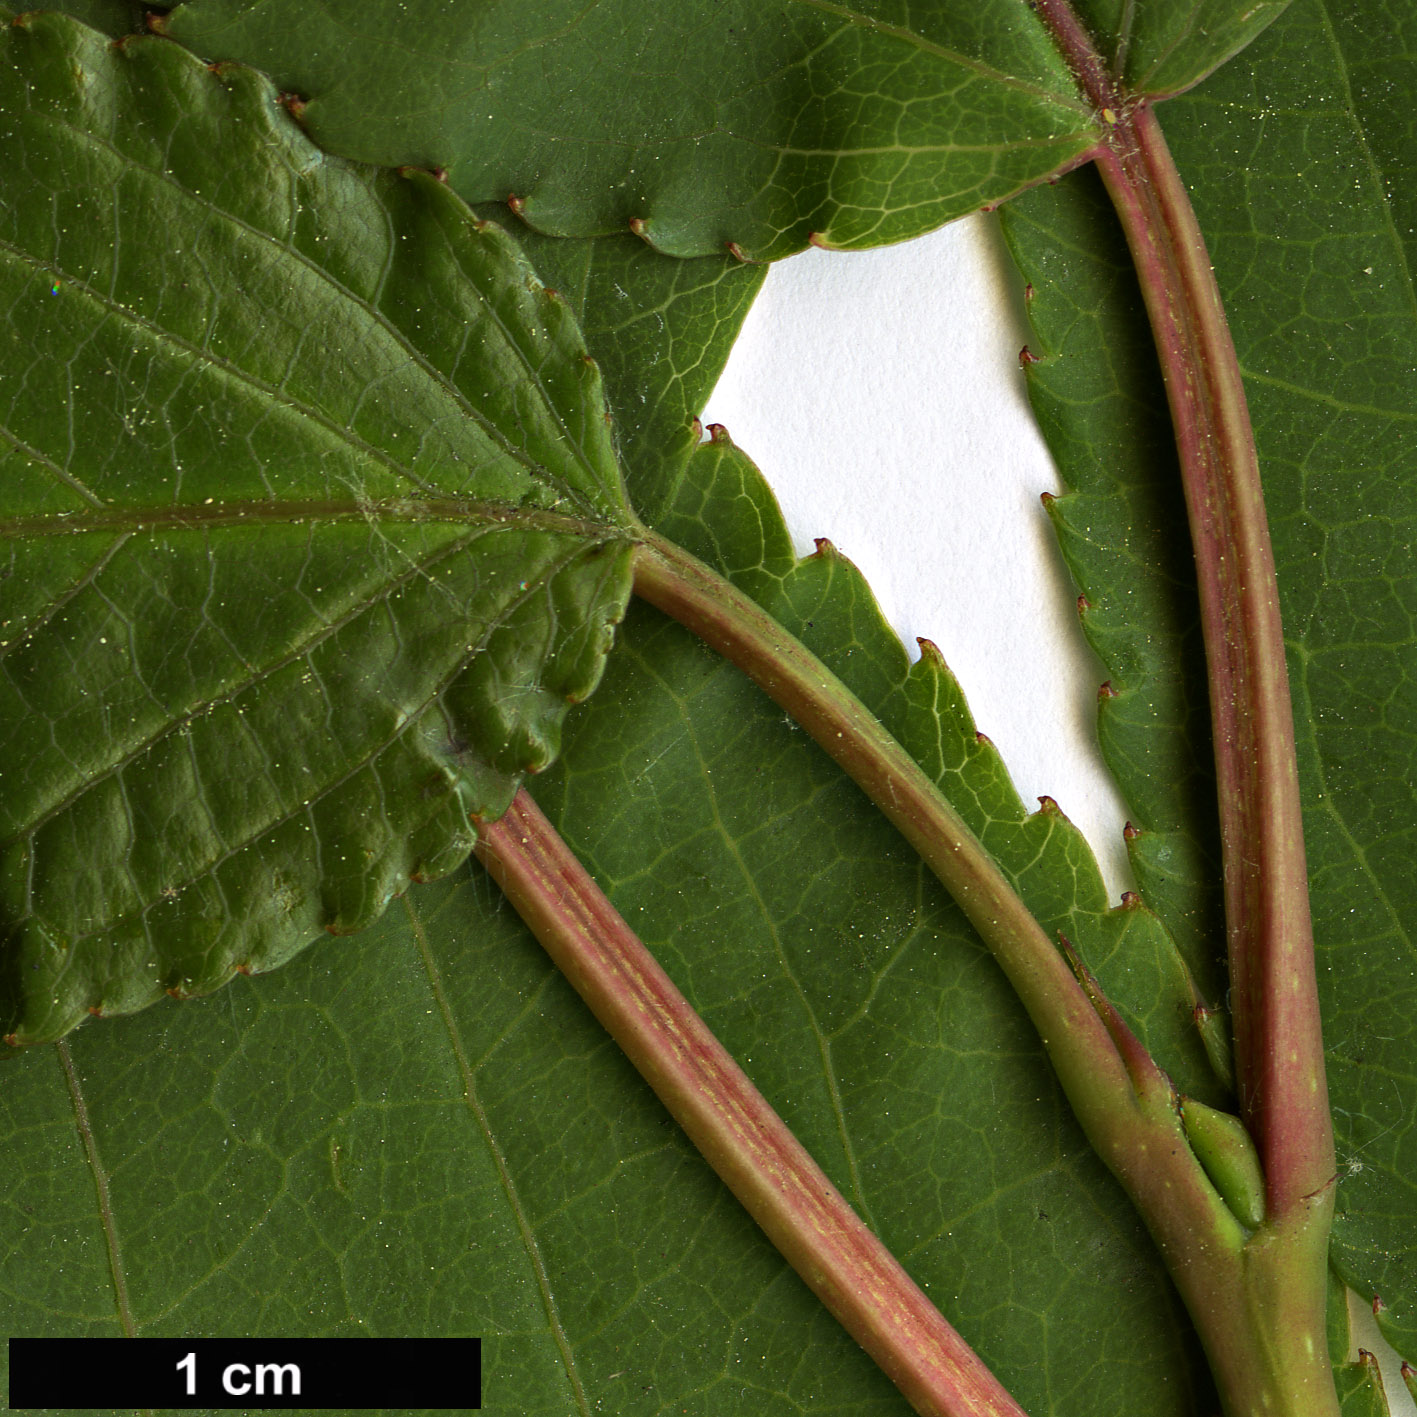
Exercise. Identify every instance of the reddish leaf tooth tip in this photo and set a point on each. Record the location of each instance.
(738, 254)
(821, 242)
(1026, 357)
(1203, 1013)
(1378, 1305)
(156, 22)
(1131, 900)
(698, 429)
(96, 1010)
(1047, 498)
(1106, 691)
(826, 548)
(1028, 293)
(1409, 1373)
(983, 739)
(1130, 832)
(244, 968)
(1048, 807)
(640, 227)
(718, 433)
(930, 652)
(1083, 604)
(11, 1040)
(293, 104)
(516, 203)
(1366, 1360)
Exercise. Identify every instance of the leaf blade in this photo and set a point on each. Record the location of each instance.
(290, 652)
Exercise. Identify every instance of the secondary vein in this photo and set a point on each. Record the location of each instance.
(100, 1179)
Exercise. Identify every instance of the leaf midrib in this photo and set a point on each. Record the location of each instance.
(244, 512)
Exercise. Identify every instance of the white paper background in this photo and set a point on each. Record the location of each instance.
(880, 392)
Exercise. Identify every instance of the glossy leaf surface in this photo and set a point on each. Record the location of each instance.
(747, 123)
(755, 125)
(311, 521)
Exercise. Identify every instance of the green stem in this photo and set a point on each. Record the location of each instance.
(1125, 1103)
(731, 1123)
(739, 629)
(1247, 1291)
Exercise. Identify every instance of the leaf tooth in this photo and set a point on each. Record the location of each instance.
(1105, 691)
(822, 242)
(1084, 605)
(294, 104)
(1130, 832)
(1131, 900)
(739, 254)
(931, 653)
(1026, 357)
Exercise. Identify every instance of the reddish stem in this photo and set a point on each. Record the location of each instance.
(731, 1123)
(1274, 989)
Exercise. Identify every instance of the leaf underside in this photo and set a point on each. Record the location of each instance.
(311, 523)
(570, 1225)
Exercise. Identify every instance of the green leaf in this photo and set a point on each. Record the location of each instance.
(754, 125)
(1161, 49)
(660, 329)
(477, 1134)
(759, 125)
(341, 537)
(1313, 267)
